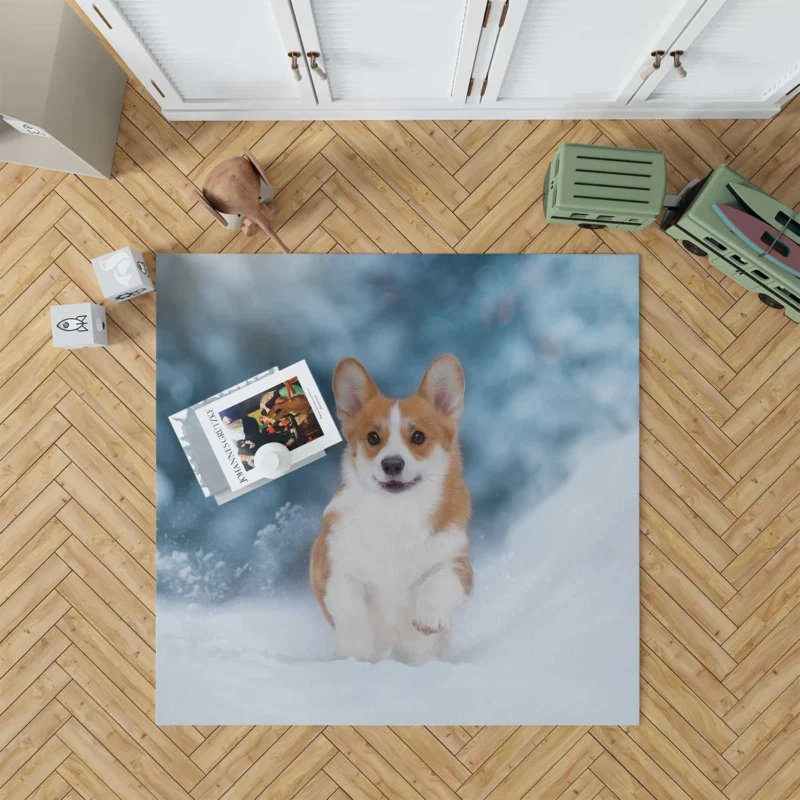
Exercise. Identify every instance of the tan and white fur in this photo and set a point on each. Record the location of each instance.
(391, 563)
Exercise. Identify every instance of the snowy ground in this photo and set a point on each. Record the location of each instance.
(550, 635)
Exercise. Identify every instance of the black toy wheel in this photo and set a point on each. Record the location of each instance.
(694, 249)
(592, 226)
(769, 301)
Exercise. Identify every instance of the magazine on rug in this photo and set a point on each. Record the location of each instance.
(198, 449)
(285, 407)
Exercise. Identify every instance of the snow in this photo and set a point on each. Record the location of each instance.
(550, 635)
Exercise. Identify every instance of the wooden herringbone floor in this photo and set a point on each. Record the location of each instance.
(720, 547)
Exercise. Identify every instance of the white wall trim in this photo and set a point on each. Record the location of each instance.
(651, 111)
(785, 89)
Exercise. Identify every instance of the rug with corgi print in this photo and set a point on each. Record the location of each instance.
(466, 554)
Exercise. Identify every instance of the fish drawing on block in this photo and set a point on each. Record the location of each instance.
(763, 238)
(77, 324)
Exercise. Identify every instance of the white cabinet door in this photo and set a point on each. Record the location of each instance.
(575, 54)
(427, 59)
(208, 54)
(747, 51)
(390, 55)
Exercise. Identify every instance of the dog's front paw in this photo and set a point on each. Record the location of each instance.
(430, 623)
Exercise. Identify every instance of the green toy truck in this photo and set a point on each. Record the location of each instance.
(598, 187)
(702, 232)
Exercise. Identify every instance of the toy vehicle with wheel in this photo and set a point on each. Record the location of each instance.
(696, 224)
(745, 233)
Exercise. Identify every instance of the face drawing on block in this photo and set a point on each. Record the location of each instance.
(73, 324)
(391, 564)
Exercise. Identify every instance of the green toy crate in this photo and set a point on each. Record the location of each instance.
(605, 187)
(696, 225)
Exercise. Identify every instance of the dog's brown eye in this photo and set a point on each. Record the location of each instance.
(373, 438)
(418, 437)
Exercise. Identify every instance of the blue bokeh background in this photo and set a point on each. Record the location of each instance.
(549, 346)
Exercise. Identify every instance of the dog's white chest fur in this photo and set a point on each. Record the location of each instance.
(385, 557)
(389, 542)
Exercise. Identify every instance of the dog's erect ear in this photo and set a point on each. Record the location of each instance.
(352, 387)
(443, 386)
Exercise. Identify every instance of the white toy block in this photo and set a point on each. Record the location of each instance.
(78, 325)
(122, 274)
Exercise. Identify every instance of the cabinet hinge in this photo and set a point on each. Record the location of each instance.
(486, 13)
(469, 88)
(503, 15)
(483, 88)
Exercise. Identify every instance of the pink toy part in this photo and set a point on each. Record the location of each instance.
(769, 209)
(764, 239)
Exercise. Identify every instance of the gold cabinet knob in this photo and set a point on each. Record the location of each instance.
(294, 55)
(657, 56)
(315, 68)
(676, 59)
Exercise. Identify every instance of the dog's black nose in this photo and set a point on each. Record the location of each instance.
(392, 465)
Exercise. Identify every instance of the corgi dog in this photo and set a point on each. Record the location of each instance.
(391, 563)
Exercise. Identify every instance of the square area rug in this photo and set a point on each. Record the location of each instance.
(478, 561)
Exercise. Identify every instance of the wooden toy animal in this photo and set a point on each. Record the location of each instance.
(233, 195)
